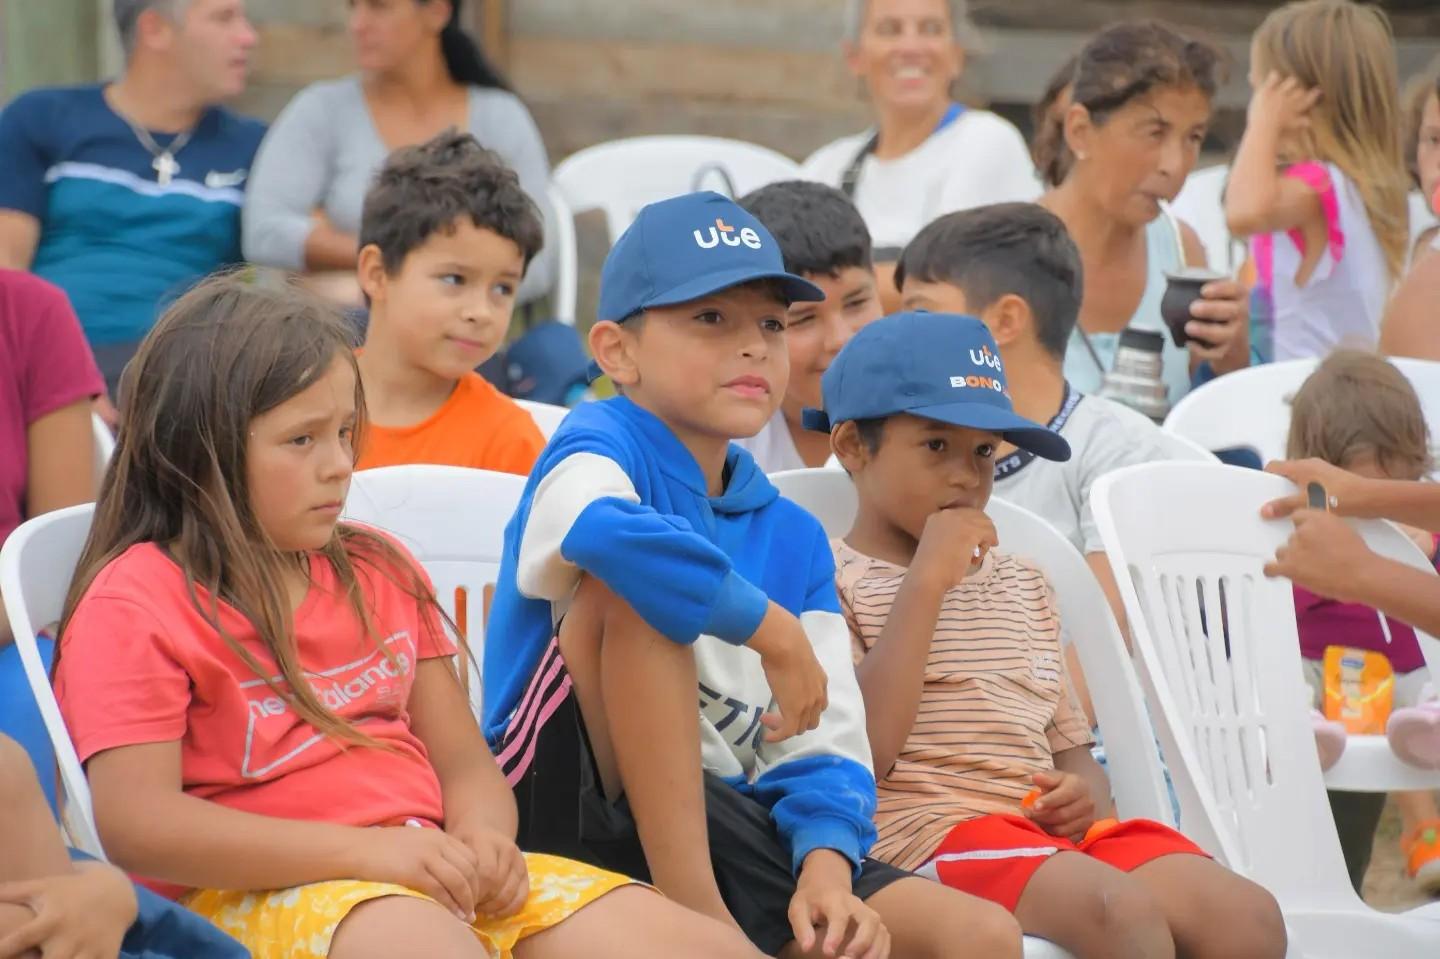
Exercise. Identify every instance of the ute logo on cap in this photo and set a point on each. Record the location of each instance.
(722, 232)
(983, 357)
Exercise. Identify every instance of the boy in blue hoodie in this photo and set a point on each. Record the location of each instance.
(651, 562)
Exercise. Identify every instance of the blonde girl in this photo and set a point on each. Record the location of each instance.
(264, 696)
(1319, 183)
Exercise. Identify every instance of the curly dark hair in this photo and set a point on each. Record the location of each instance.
(423, 190)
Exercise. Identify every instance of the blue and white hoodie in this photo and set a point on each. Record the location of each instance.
(615, 494)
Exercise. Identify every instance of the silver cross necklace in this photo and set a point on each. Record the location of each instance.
(164, 163)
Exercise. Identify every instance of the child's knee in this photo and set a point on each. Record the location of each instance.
(1248, 926)
(1120, 909)
(983, 929)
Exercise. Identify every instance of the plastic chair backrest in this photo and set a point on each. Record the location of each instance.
(37, 564)
(546, 415)
(1180, 448)
(1247, 409)
(1220, 660)
(561, 232)
(453, 520)
(621, 176)
(104, 447)
(1201, 204)
(1136, 779)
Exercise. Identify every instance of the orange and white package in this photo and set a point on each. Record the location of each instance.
(1359, 689)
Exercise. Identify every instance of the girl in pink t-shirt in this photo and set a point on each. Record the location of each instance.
(1319, 183)
(265, 697)
(1360, 413)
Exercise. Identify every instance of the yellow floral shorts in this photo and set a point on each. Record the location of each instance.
(298, 923)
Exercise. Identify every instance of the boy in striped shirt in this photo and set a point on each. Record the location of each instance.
(985, 779)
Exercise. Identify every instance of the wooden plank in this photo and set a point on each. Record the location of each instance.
(679, 70)
(301, 53)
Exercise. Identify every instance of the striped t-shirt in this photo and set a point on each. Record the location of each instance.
(997, 704)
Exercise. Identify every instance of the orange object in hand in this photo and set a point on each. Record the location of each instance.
(1030, 799)
(1099, 827)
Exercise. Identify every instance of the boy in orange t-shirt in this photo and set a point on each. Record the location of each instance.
(445, 239)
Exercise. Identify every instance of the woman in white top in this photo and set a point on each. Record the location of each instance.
(1139, 106)
(926, 155)
(420, 73)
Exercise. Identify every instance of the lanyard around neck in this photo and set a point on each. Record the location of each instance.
(1018, 460)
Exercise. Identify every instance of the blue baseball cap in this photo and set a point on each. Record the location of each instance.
(690, 246)
(938, 366)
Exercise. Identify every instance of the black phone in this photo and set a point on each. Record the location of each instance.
(1317, 496)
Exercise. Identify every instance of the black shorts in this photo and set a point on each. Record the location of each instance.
(547, 759)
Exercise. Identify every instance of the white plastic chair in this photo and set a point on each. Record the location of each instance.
(1247, 409)
(37, 564)
(546, 415)
(104, 447)
(1180, 448)
(1220, 664)
(561, 233)
(621, 176)
(1201, 204)
(453, 520)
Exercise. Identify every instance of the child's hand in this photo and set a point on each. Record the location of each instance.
(795, 676)
(953, 545)
(1282, 104)
(823, 897)
(82, 914)
(1065, 807)
(504, 876)
(425, 860)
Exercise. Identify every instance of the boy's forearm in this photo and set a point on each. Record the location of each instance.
(192, 842)
(828, 868)
(892, 674)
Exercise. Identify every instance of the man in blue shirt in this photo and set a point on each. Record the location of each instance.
(125, 193)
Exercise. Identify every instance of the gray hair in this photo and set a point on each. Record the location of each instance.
(966, 33)
(127, 16)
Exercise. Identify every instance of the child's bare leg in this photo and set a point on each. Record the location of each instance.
(1212, 912)
(1416, 809)
(401, 926)
(929, 921)
(637, 692)
(1093, 910)
(28, 833)
(635, 923)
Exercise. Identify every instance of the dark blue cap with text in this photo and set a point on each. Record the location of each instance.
(687, 247)
(938, 366)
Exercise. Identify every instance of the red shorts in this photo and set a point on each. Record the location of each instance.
(994, 856)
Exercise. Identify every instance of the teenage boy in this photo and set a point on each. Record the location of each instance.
(651, 562)
(966, 692)
(124, 193)
(823, 239)
(1015, 267)
(445, 238)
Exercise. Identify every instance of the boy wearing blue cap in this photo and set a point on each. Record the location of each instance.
(651, 562)
(986, 782)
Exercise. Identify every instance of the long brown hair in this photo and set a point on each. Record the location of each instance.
(223, 354)
(1358, 404)
(1347, 51)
